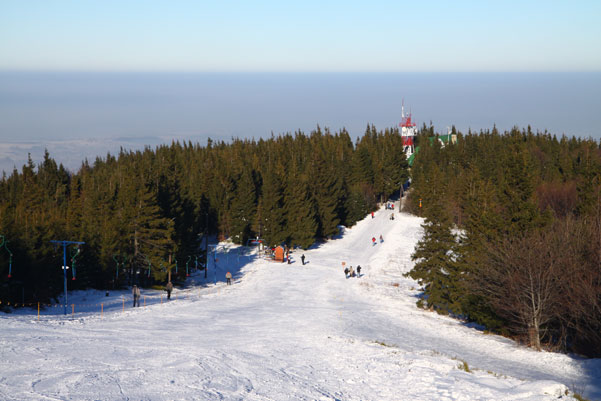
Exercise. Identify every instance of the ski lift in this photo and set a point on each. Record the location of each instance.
(10, 255)
(115, 258)
(73, 256)
(188, 261)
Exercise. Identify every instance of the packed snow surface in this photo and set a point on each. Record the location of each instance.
(280, 332)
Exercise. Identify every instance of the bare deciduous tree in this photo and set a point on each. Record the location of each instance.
(580, 311)
(522, 281)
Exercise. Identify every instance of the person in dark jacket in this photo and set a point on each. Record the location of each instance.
(346, 272)
(136, 293)
(169, 288)
(303, 259)
(358, 270)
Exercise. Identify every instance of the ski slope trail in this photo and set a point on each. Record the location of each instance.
(286, 332)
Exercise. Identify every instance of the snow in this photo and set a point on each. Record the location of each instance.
(280, 332)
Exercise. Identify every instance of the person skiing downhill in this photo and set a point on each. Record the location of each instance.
(228, 277)
(373, 240)
(381, 238)
(358, 270)
(303, 259)
(346, 272)
(372, 215)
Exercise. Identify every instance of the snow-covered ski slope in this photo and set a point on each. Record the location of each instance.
(284, 332)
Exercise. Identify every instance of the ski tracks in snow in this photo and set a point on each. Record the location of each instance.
(284, 332)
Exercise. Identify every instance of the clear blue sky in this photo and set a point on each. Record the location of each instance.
(178, 35)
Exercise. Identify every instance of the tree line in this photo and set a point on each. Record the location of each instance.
(512, 234)
(142, 214)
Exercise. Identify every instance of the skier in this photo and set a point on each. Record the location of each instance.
(358, 270)
(346, 272)
(373, 240)
(303, 259)
(351, 272)
(392, 216)
(381, 238)
(372, 215)
(169, 288)
(136, 293)
(228, 277)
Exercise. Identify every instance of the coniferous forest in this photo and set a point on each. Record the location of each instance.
(143, 214)
(512, 229)
(512, 234)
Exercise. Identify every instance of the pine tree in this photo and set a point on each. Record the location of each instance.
(148, 235)
(271, 213)
(243, 207)
(327, 191)
(436, 268)
(518, 190)
(301, 222)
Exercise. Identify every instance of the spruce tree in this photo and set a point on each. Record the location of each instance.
(436, 268)
(301, 221)
(327, 192)
(243, 207)
(271, 213)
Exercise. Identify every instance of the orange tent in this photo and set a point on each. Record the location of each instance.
(279, 254)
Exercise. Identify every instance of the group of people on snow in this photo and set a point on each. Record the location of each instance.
(350, 272)
(373, 240)
(136, 293)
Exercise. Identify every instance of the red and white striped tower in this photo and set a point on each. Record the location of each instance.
(408, 132)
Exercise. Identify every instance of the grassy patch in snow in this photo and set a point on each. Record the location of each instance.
(383, 344)
(497, 375)
(464, 366)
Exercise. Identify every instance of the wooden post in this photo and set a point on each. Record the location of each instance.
(38, 311)
(145, 301)
(123, 304)
(72, 310)
(169, 271)
(101, 310)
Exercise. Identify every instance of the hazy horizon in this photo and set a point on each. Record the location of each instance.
(78, 115)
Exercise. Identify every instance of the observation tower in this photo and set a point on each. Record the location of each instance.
(408, 132)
